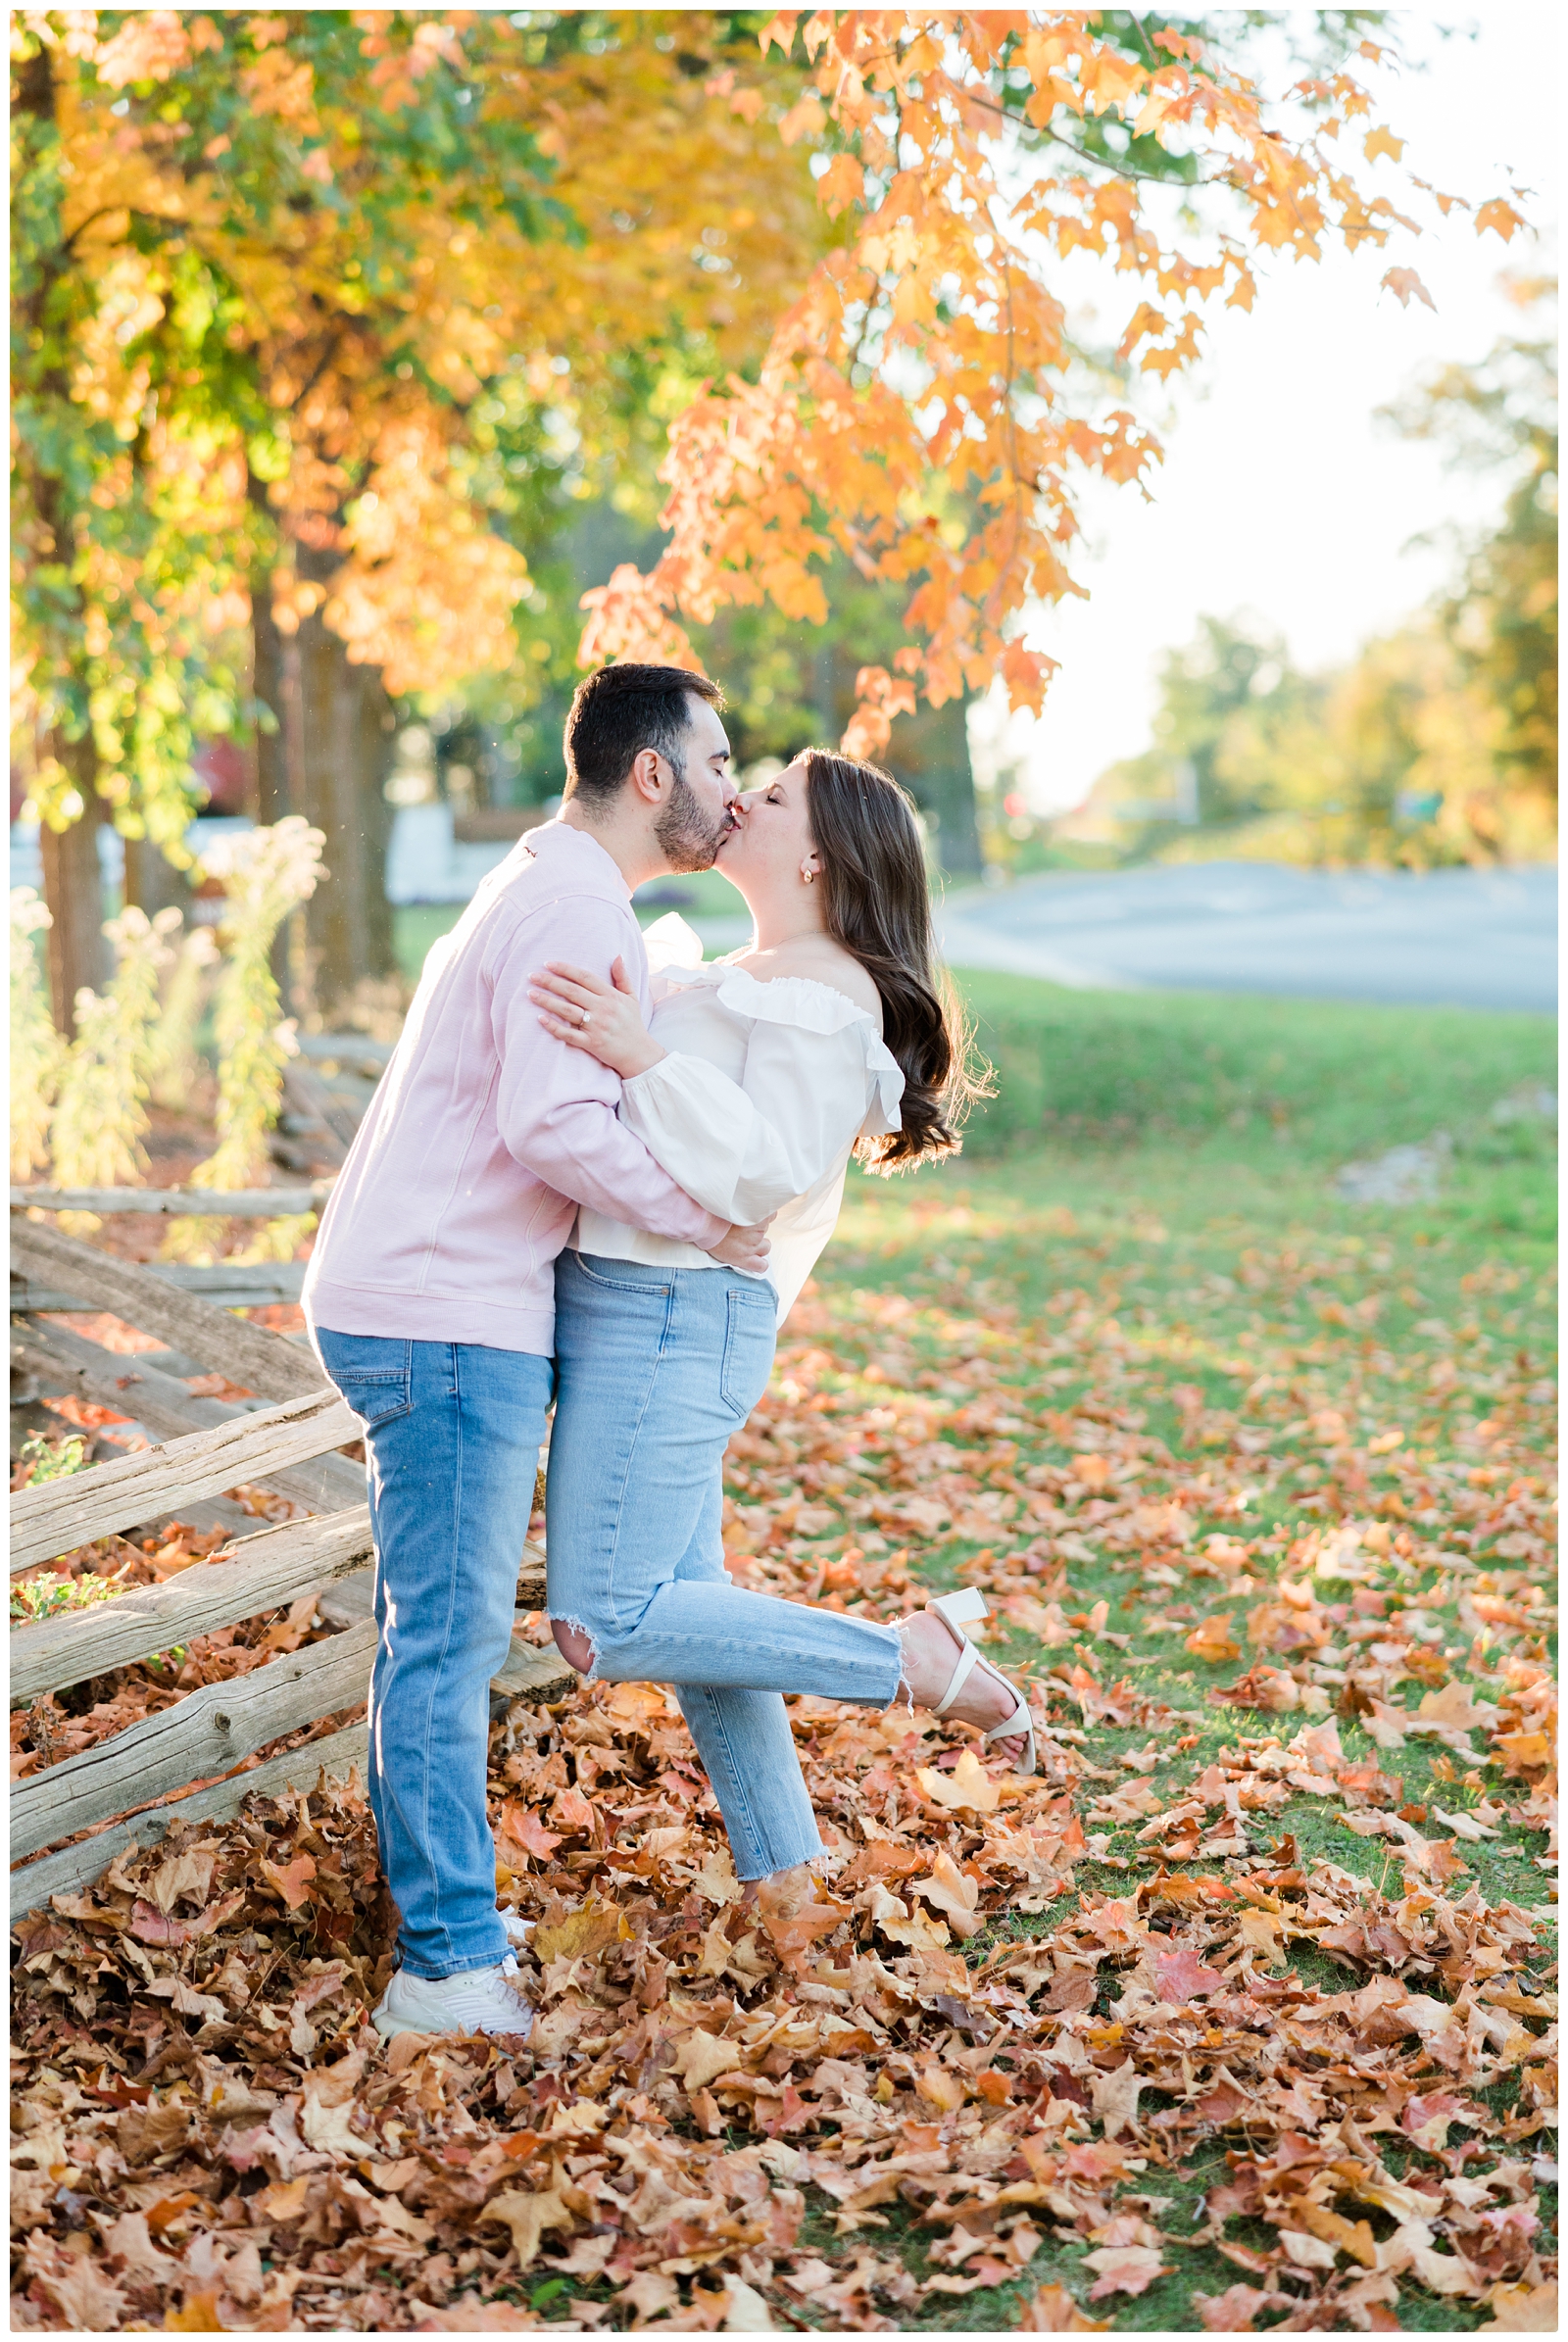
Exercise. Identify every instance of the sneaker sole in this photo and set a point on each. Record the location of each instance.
(390, 2026)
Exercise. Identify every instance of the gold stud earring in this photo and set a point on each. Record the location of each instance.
(806, 872)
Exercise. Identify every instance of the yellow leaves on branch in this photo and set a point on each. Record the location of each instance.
(426, 591)
(676, 222)
(915, 410)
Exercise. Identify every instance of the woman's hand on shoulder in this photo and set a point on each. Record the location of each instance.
(587, 1013)
(821, 961)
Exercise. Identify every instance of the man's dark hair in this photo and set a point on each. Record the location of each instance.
(622, 710)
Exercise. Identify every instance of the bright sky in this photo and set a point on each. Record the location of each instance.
(1279, 493)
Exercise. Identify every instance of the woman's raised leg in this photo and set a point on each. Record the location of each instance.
(655, 1369)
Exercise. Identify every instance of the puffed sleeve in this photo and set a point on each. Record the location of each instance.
(816, 1075)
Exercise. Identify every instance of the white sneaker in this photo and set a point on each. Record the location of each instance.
(477, 2000)
(517, 1929)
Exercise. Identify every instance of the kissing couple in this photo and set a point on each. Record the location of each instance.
(597, 1175)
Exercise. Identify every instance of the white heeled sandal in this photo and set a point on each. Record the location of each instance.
(954, 1610)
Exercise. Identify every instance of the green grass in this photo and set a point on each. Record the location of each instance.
(712, 896)
(1321, 1080)
(416, 926)
(1170, 1158)
(1157, 1140)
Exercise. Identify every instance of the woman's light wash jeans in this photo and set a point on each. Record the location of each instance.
(656, 1368)
(453, 1433)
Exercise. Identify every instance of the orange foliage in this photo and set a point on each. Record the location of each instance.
(917, 409)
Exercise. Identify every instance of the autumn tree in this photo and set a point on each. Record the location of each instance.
(128, 511)
(1232, 668)
(927, 373)
(1501, 616)
(423, 236)
(428, 234)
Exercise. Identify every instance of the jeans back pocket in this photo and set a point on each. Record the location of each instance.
(374, 1376)
(750, 1332)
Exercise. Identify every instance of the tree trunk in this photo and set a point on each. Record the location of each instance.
(347, 724)
(152, 883)
(73, 889)
(274, 793)
(328, 759)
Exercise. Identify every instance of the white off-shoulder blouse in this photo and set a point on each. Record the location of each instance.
(754, 1109)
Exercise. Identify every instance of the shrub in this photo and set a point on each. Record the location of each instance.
(100, 1118)
(266, 873)
(36, 1049)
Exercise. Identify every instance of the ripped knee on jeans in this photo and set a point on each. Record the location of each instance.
(575, 1645)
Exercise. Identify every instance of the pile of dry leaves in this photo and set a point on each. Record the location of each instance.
(1210, 2003)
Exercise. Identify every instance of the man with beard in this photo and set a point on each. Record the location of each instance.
(430, 1292)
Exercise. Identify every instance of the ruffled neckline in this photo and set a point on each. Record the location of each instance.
(675, 953)
(810, 1005)
(780, 1000)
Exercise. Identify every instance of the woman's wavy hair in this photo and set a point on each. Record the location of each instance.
(877, 902)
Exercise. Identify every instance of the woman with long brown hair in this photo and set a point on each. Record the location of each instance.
(833, 1033)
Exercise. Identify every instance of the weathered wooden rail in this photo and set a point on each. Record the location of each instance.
(179, 1204)
(284, 1437)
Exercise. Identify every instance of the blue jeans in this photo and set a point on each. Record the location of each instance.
(453, 1433)
(656, 1368)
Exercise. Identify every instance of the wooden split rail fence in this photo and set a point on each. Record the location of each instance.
(283, 1438)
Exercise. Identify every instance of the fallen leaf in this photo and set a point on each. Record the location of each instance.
(529, 2217)
(293, 1880)
(88, 2299)
(1233, 2310)
(716, 1881)
(1114, 2097)
(952, 1892)
(702, 2057)
(747, 2313)
(184, 1998)
(325, 2119)
(1524, 1751)
(1428, 2119)
(520, 1825)
(883, 1858)
(468, 2314)
(1306, 2252)
(1522, 2309)
(187, 1875)
(968, 1787)
(1124, 2268)
(1463, 1825)
(199, 2315)
(1348, 2236)
(588, 1931)
(1212, 1642)
(1182, 1976)
(1052, 2311)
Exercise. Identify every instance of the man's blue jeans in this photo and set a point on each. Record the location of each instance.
(453, 1433)
(656, 1368)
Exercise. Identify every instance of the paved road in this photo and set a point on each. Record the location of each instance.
(1468, 939)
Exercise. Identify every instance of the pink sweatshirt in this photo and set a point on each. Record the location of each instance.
(485, 1134)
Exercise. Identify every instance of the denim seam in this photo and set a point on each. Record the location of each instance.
(610, 1604)
(655, 1282)
(735, 1305)
(737, 1778)
(763, 1851)
(437, 1916)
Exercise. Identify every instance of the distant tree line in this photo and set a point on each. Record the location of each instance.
(1437, 742)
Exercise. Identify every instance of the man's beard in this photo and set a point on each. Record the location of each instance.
(687, 840)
